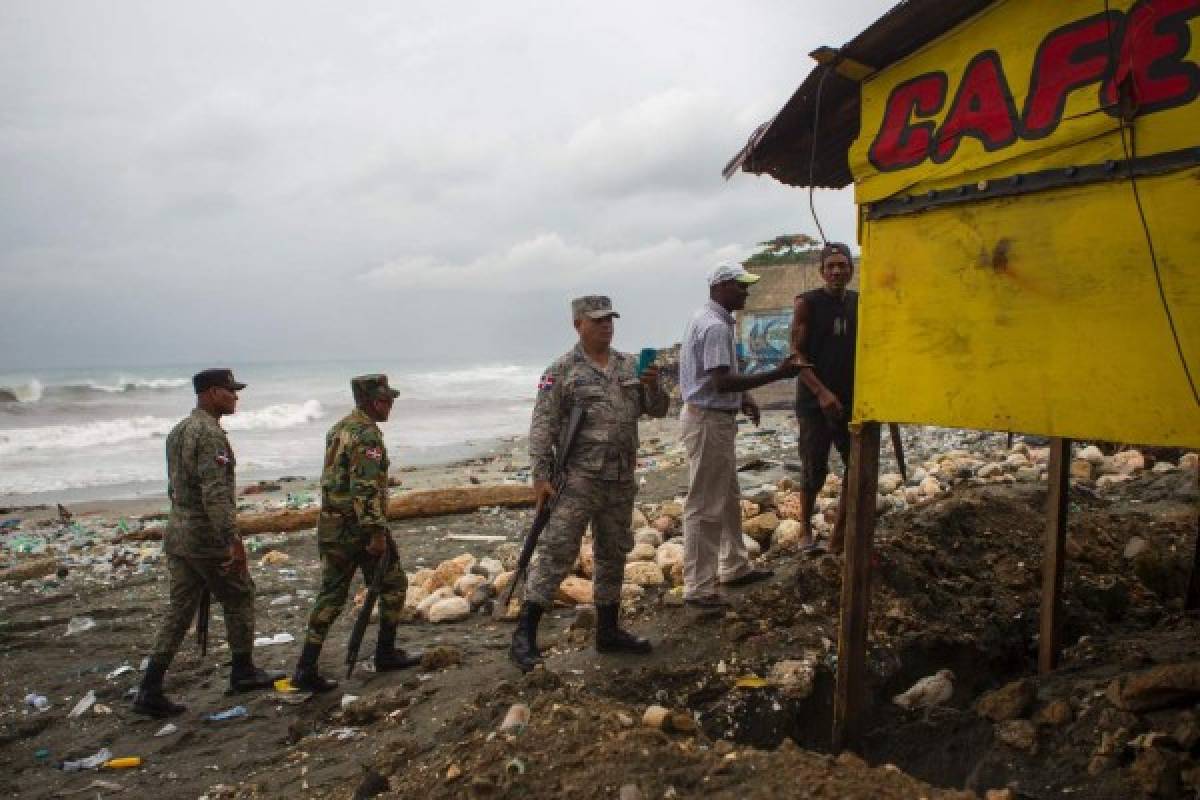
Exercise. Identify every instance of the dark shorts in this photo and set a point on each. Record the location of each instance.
(815, 434)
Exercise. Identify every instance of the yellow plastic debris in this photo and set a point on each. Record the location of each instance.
(750, 682)
(284, 685)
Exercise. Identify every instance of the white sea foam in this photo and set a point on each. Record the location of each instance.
(275, 418)
(127, 384)
(28, 392)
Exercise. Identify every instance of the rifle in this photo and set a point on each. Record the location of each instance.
(202, 612)
(562, 452)
(364, 616)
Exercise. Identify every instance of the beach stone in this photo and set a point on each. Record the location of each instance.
(655, 717)
(1020, 734)
(1081, 470)
(673, 510)
(890, 482)
(467, 584)
(930, 486)
(273, 558)
(1135, 547)
(644, 573)
(1161, 687)
(794, 677)
(1011, 701)
(478, 598)
(448, 572)
(422, 578)
(753, 548)
(1054, 715)
(490, 567)
(639, 520)
(669, 554)
(787, 536)
(437, 595)
(1028, 474)
(1129, 462)
(648, 536)
(912, 495)
(789, 506)
(631, 593)
(414, 596)
(502, 581)
(1164, 466)
(574, 591)
(507, 553)
(1109, 481)
(1189, 462)
(991, 470)
(664, 525)
(1017, 460)
(1092, 454)
(451, 609)
(750, 509)
(676, 573)
(761, 527)
(436, 658)
(585, 564)
(642, 552)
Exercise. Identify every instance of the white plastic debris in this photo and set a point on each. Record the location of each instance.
(119, 671)
(79, 625)
(279, 638)
(37, 701)
(85, 702)
(167, 730)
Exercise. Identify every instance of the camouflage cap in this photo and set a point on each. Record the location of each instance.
(595, 306)
(372, 386)
(216, 379)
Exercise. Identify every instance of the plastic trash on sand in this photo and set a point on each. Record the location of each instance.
(38, 702)
(79, 625)
(237, 712)
(279, 638)
(85, 702)
(167, 730)
(91, 762)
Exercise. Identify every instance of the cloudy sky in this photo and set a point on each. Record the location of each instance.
(257, 181)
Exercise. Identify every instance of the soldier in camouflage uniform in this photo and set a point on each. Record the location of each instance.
(352, 531)
(600, 485)
(202, 545)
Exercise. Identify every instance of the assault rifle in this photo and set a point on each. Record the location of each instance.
(364, 616)
(562, 452)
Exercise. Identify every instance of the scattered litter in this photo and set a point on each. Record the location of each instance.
(282, 600)
(284, 685)
(91, 762)
(167, 730)
(237, 712)
(279, 638)
(100, 708)
(41, 755)
(348, 700)
(750, 682)
(515, 766)
(37, 701)
(342, 734)
(273, 558)
(125, 762)
(475, 537)
(145, 663)
(516, 719)
(119, 671)
(79, 625)
(85, 702)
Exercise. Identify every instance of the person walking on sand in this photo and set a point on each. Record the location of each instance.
(713, 393)
(352, 532)
(202, 544)
(600, 486)
(824, 332)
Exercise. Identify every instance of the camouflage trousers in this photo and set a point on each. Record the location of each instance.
(233, 590)
(608, 506)
(341, 556)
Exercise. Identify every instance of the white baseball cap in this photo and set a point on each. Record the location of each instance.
(731, 272)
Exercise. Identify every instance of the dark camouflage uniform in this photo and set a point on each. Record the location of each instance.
(354, 485)
(202, 525)
(600, 472)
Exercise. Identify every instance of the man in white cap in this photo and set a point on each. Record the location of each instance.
(713, 393)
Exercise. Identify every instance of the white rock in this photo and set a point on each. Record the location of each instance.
(467, 584)
(787, 536)
(1017, 460)
(930, 486)
(1164, 466)
(1092, 453)
(644, 573)
(990, 470)
(1188, 462)
(1129, 461)
(1109, 481)
(490, 567)
(668, 555)
(794, 677)
(639, 520)
(642, 551)
(890, 481)
(650, 536)
(754, 548)
(451, 609)
(444, 593)
(414, 596)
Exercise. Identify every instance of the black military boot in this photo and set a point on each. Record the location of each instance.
(611, 638)
(306, 678)
(387, 657)
(150, 699)
(524, 650)
(245, 677)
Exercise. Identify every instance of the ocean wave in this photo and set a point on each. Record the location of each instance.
(275, 418)
(29, 392)
(123, 384)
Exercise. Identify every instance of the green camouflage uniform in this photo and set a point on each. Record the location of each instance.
(202, 525)
(600, 484)
(354, 486)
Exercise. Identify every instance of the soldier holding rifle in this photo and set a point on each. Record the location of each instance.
(599, 485)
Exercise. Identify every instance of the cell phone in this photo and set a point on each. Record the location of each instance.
(646, 358)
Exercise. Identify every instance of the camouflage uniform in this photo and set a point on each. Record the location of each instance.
(354, 487)
(600, 484)
(201, 527)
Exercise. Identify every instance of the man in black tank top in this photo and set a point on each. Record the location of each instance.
(824, 330)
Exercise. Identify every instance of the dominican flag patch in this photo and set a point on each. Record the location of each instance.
(222, 459)
(545, 382)
(374, 453)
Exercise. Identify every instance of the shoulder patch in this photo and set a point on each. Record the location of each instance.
(374, 453)
(545, 382)
(222, 458)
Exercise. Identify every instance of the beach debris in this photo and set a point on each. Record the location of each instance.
(38, 702)
(79, 625)
(124, 669)
(932, 690)
(237, 712)
(125, 762)
(269, 641)
(449, 609)
(751, 682)
(794, 677)
(167, 730)
(453, 773)
(91, 762)
(284, 685)
(273, 558)
(344, 734)
(95, 786)
(85, 702)
(655, 717)
(516, 720)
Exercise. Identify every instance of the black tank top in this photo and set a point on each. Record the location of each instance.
(832, 331)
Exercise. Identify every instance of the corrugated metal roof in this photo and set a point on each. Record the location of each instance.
(783, 147)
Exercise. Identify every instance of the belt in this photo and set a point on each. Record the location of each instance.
(704, 410)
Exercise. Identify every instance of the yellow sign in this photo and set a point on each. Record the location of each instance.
(1008, 279)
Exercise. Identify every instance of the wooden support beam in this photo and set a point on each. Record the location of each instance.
(859, 494)
(1192, 601)
(1059, 476)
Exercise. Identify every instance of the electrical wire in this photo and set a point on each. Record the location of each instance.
(1129, 148)
(812, 155)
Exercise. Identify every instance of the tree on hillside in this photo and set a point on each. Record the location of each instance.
(786, 249)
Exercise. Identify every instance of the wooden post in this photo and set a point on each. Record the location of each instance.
(859, 493)
(1059, 476)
